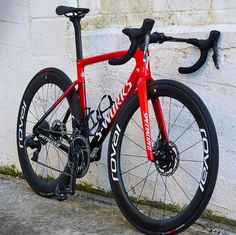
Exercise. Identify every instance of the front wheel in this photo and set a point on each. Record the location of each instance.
(165, 196)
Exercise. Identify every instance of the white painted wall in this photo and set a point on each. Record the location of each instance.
(33, 37)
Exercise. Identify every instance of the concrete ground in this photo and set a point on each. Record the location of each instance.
(24, 212)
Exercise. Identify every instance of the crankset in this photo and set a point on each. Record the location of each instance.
(78, 164)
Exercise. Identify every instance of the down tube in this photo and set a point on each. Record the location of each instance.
(108, 122)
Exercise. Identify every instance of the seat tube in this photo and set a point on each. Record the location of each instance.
(142, 95)
(81, 89)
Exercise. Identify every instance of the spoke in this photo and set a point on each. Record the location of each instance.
(30, 154)
(140, 181)
(105, 165)
(41, 102)
(47, 97)
(33, 115)
(52, 168)
(59, 157)
(135, 167)
(164, 196)
(43, 99)
(47, 150)
(181, 188)
(189, 174)
(184, 131)
(62, 150)
(187, 160)
(130, 155)
(28, 133)
(31, 122)
(166, 190)
(176, 118)
(35, 110)
(190, 146)
(44, 164)
(140, 127)
(102, 164)
(137, 124)
(56, 99)
(153, 195)
(63, 117)
(135, 143)
(144, 184)
(69, 120)
(169, 193)
(54, 111)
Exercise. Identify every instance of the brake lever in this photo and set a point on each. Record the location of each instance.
(204, 46)
(215, 51)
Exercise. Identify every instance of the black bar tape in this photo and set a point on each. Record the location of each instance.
(126, 57)
(196, 66)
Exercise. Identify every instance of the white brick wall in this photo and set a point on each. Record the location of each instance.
(33, 37)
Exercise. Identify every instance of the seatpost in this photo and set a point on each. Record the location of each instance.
(78, 39)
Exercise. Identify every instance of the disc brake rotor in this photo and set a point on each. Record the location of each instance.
(167, 158)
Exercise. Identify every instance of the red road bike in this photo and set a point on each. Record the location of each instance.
(163, 149)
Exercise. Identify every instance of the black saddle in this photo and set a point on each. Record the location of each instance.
(63, 10)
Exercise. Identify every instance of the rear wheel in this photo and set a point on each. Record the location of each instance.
(45, 170)
(169, 194)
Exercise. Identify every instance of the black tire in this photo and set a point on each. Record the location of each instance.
(37, 99)
(184, 191)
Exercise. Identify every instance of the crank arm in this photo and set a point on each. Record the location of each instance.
(142, 95)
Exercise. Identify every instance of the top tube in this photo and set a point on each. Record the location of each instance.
(100, 58)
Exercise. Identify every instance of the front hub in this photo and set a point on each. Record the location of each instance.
(166, 157)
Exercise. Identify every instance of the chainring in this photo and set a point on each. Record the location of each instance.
(79, 145)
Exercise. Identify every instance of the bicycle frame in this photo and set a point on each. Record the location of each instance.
(138, 80)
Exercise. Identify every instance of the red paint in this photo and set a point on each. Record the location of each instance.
(64, 95)
(160, 118)
(142, 95)
(137, 80)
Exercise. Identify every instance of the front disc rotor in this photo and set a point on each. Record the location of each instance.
(167, 158)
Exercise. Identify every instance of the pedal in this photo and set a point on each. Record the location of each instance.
(62, 194)
(35, 156)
